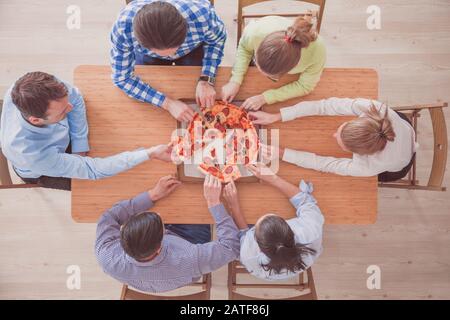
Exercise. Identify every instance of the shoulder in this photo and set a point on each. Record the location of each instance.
(194, 10)
(317, 48)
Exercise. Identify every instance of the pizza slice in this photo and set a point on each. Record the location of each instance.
(231, 173)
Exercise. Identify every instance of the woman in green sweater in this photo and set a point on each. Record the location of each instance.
(279, 47)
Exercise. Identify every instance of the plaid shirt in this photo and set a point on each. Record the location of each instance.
(204, 27)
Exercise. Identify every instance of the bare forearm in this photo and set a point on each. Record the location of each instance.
(239, 218)
(287, 188)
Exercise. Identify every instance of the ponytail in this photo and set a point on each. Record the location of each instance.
(280, 51)
(301, 32)
(277, 241)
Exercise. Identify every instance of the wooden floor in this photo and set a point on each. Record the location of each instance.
(410, 241)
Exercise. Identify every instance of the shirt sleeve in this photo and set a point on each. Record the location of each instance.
(78, 126)
(214, 44)
(108, 227)
(122, 64)
(340, 166)
(66, 165)
(305, 84)
(215, 254)
(244, 55)
(327, 107)
(308, 226)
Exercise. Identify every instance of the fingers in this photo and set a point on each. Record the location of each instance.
(206, 182)
(232, 186)
(246, 104)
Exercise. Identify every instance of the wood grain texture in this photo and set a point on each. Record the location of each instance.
(118, 123)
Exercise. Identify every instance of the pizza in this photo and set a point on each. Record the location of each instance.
(219, 139)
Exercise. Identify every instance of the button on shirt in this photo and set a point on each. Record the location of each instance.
(40, 151)
(307, 228)
(204, 27)
(179, 263)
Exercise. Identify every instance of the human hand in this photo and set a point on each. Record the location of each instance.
(229, 91)
(230, 195)
(178, 109)
(254, 103)
(262, 172)
(205, 94)
(161, 152)
(163, 188)
(261, 117)
(212, 188)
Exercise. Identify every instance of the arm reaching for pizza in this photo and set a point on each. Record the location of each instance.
(232, 200)
(263, 173)
(264, 118)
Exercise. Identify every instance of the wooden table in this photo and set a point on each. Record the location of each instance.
(118, 123)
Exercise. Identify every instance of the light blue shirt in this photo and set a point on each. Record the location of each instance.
(307, 228)
(40, 151)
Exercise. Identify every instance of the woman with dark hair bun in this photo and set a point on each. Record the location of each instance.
(274, 248)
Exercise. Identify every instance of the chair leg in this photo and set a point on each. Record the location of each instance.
(124, 292)
(311, 284)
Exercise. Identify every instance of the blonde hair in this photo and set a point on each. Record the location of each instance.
(280, 51)
(368, 134)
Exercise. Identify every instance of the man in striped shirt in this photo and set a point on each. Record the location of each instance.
(134, 247)
(169, 32)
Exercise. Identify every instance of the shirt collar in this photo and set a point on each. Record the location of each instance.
(158, 259)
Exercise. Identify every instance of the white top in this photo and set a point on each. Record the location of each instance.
(394, 157)
(307, 228)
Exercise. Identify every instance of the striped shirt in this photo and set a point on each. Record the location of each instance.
(204, 27)
(179, 263)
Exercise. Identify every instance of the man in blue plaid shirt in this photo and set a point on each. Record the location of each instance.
(170, 32)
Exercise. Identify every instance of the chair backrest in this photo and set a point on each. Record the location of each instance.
(306, 288)
(5, 177)
(245, 3)
(440, 149)
(204, 294)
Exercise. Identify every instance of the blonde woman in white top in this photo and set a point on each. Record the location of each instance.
(382, 140)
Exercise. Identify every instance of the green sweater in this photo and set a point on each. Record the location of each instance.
(310, 66)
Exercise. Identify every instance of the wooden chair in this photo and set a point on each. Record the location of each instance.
(5, 176)
(440, 148)
(306, 288)
(204, 294)
(245, 3)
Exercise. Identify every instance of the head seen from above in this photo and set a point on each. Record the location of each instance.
(159, 26)
(41, 98)
(141, 236)
(276, 240)
(280, 51)
(366, 135)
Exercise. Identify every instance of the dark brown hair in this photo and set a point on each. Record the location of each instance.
(368, 134)
(280, 51)
(141, 235)
(277, 241)
(159, 25)
(33, 92)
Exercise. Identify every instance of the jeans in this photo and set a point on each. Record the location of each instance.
(194, 233)
(193, 58)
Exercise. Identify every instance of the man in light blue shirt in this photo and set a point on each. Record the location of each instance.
(42, 119)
